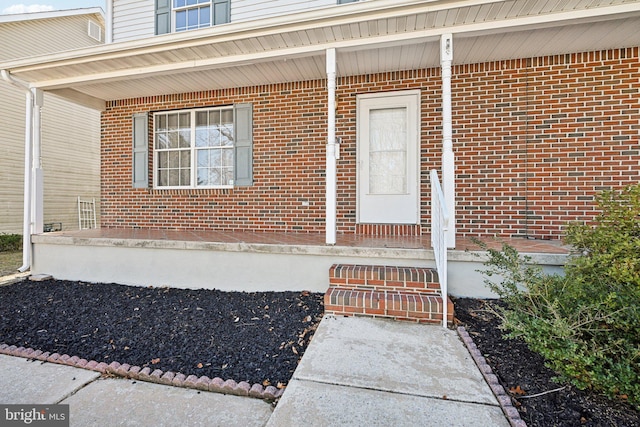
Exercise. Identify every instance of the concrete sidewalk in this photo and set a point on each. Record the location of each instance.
(356, 372)
(96, 401)
(371, 372)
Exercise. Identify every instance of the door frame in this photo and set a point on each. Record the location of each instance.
(415, 158)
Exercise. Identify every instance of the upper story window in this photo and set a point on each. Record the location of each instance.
(192, 14)
(183, 15)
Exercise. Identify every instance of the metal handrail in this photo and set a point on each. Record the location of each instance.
(439, 226)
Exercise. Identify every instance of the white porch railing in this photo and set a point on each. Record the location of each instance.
(439, 225)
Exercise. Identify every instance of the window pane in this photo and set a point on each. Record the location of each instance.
(214, 158)
(181, 20)
(163, 178)
(185, 177)
(202, 118)
(178, 3)
(202, 136)
(227, 117)
(214, 177)
(185, 120)
(205, 16)
(162, 141)
(174, 139)
(161, 122)
(227, 157)
(163, 160)
(227, 176)
(185, 138)
(388, 151)
(226, 135)
(172, 121)
(202, 177)
(185, 159)
(174, 160)
(192, 19)
(203, 159)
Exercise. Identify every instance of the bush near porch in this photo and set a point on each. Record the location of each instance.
(10, 242)
(587, 322)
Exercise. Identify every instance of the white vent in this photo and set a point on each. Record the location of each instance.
(94, 31)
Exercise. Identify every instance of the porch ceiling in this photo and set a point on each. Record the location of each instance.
(370, 37)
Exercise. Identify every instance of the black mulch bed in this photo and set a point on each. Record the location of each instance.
(257, 337)
(522, 373)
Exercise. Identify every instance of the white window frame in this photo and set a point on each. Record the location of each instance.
(187, 7)
(193, 149)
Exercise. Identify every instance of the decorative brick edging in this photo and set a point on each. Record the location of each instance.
(512, 414)
(204, 383)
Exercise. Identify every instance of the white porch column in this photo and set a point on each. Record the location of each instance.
(448, 159)
(37, 194)
(330, 171)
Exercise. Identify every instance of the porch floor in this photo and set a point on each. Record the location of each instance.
(258, 261)
(523, 245)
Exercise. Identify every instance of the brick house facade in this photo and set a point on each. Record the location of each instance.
(270, 118)
(535, 139)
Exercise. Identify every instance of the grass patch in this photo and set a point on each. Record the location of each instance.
(10, 261)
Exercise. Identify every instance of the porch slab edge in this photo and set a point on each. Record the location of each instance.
(550, 259)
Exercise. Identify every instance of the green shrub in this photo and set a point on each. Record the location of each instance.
(10, 242)
(586, 323)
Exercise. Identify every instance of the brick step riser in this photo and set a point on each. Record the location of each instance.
(401, 293)
(411, 306)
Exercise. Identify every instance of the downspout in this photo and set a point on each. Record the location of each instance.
(37, 177)
(332, 152)
(448, 159)
(28, 160)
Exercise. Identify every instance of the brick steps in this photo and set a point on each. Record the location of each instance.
(401, 293)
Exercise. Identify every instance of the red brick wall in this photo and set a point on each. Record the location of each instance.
(534, 141)
(539, 138)
(289, 144)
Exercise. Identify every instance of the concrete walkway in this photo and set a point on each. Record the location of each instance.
(356, 372)
(372, 372)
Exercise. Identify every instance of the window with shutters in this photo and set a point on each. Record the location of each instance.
(197, 148)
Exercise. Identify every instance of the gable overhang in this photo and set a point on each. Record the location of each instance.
(368, 37)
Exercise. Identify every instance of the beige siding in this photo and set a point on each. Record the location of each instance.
(70, 159)
(43, 36)
(133, 19)
(12, 111)
(70, 133)
(255, 9)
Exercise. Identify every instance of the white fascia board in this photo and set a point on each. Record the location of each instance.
(18, 17)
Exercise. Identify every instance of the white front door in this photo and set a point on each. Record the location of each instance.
(388, 157)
